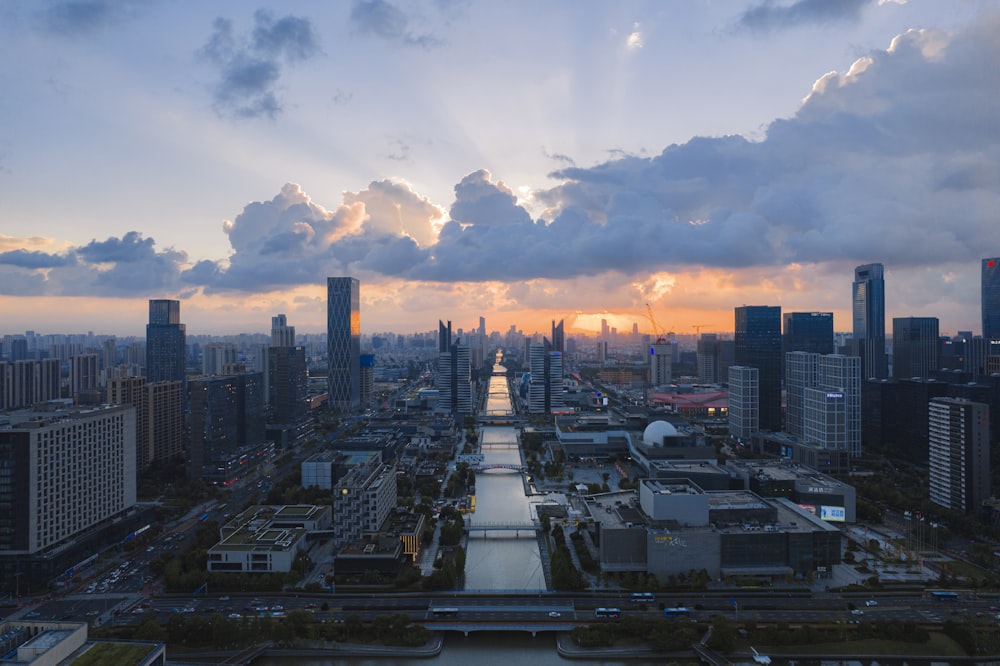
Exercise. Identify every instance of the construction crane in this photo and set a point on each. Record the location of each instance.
(657, 331)
(697, 327)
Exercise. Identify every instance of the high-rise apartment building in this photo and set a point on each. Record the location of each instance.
(959, 442)
(215, 356)
(282, 335)
(28, 382)
(362, 501)
(868, 307)
(914, 347)
(744, 402)
(991, 298)
(661, 356)
(166, 350)
(226, 424)
(83, 376)
(286, 376)
(343, 340)
(707, 355)
(758, 345)
(808, 332)
(132, 391)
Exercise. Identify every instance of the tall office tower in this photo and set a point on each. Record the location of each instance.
(758, 345)
(808, 332)
(831, 411)
(215, 356)
(605, 331)
(282, 335)
(868, 306)
(977, 351)
(64, 472)
(991, 298)
(559, 336)
(83, 376)
(343, 342)
(744, 402)
(288, 385)
(482, 327)
(800, 374)
(26, 383)
(914, 347)
(166, 351)
(227, 425)
(132, 391)
(545, 388)
(707, 355)
(661, 363)
(454, 373)
(959, 441)
(165, 402)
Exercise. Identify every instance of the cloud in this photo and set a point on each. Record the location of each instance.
(73, 18)
(770, 15)
(250, 66)
(35, 259)
(386, 20)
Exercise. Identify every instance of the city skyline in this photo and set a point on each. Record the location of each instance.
(694, 156)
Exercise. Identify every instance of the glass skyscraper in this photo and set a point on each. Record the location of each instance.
(808, 332)
(991, 298)
(343, 342)
(758, 345)
(868, 305)
(914, 347)
(166, 350)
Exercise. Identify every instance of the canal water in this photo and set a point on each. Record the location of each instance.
(501, 560)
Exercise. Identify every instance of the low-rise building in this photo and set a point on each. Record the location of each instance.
(266, 539)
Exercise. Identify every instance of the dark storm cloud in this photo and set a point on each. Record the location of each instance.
(250, 66)
(386, 20)
(74, 18)
(772, 15)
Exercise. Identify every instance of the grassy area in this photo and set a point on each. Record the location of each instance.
(113, 653)
(938, 645)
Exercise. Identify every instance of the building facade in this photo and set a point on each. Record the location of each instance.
(166, 346)
(28, 382)
(758, 345)
(661, 364)
(343, 339)
(808, 332)
(991, 298)
(915, 343)
(868, 308)
(744, 401)
(959, 441)
(362, 500)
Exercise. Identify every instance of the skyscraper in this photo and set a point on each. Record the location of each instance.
(959, 439)
(808, 332)
(914, 347)
(165, 342)
(343, 342)
(758, 345)
(661, 363)
(991, 298)
(454, 373)
(868, 306)
(744, 402)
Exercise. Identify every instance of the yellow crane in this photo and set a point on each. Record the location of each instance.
(657, 331)
(697, 327)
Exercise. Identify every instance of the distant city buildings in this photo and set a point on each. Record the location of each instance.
(343, 331)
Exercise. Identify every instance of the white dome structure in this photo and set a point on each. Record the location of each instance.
(655, 432)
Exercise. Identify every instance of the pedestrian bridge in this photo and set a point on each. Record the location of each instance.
(507, 526)
(512, 468)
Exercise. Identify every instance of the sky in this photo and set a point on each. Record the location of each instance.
(521, 161)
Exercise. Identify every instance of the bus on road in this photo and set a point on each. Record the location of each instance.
(643, 597)
(679, 611)
(608, 613)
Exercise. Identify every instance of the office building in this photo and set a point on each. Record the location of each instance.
(362, 501)
(226, 425)
(65, 471)
(831, 411)
(166, 350)
(367, 380)
(991, 299)
(165, 402)
(808, 332)
(758, 345)
(914, 347)
(894, 421)
(744, 402)
(958, 433)
(216, 356)
(343, 340)
(868, 307)
(454, 373)
(559, 336)
(545, 389)
(707, 355)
